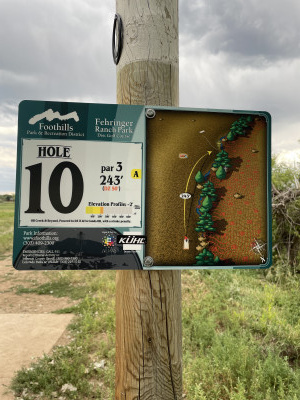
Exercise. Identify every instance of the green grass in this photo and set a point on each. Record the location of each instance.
(241, 337)
(6, 227)
(58, 288)
(92, 340)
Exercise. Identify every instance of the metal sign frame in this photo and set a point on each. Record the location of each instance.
(88, 179)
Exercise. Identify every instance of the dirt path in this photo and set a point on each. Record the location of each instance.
(27, 327)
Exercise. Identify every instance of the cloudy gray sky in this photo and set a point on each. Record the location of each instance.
(234, 54)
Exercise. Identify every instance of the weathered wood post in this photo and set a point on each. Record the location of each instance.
(148, 304)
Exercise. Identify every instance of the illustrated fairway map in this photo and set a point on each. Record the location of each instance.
(208, 189)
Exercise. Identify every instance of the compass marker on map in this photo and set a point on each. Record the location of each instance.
(259, 247)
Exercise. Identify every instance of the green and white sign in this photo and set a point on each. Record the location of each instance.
(79, 186)
(131, 187)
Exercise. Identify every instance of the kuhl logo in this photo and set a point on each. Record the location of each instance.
(131, 239)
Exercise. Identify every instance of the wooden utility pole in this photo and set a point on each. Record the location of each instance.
(148, 304)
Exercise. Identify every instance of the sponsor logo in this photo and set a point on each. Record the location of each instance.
(52, 125)
(131, 239)
(109, 241)
(50, 115)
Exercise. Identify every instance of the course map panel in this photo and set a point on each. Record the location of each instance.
(207, 180)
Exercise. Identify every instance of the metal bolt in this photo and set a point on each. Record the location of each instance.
(150, 113)
(148, 262)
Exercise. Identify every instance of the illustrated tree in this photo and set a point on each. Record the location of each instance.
(199, 178)
(240, 130)
(239, 127)
(244, 122)
(231, 136)
(221, 159)
(225, 158)
(203, 211)
(207, 203)
(227, 166)
(221, 174)
(209, 190)
(205, 223)
(207, 258)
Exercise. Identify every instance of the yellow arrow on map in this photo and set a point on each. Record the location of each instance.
(187, 184)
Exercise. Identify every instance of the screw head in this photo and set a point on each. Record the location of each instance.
(150, 113)
(148, 262)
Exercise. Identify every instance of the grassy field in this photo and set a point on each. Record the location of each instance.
(6, 227)
(241, 336)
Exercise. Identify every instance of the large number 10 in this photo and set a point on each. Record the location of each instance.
(54, 188)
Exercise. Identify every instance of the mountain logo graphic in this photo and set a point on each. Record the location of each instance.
(50, 115)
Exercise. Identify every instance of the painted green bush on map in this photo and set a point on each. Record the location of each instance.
(230, 136)
(207, 203)
(220, 173)
(199, 178)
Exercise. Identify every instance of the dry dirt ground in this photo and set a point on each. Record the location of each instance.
(28, 329)
(240, 222)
